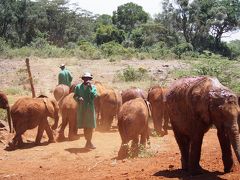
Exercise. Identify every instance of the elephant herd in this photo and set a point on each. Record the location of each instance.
(191, 104)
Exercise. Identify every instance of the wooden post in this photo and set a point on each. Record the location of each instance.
(30, 78)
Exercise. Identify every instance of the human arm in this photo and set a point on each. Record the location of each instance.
(93, 92)
(77, 97)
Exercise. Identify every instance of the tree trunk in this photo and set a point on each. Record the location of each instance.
(30, 78)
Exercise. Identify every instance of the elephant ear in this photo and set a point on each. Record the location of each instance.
(200, 101)
(49, 106)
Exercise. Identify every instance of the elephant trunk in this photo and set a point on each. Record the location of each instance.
(234, 139)
(9, 119)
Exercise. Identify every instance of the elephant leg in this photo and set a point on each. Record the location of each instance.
(61, 135)
(166, 121)
(123, 151)
(72, 129)
(144, 137)
(134, 146)
(226, 150)
(109, 122)
(40, 132)
(195, 153)
(17, 140)
(49, 132)
(184, 144)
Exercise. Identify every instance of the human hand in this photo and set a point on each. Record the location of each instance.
(89, 84)
(80, 99)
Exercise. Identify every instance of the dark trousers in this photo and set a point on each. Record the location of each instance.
(88, 133)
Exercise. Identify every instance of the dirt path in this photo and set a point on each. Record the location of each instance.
(69, 160)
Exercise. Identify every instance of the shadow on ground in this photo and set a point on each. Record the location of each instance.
(77, 150)
(180, 174)
(26, 146)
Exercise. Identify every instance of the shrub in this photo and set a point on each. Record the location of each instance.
(114, 49)
(228, 72)
(182, 48)
(131, 74)
(159, 51)
(87, 51)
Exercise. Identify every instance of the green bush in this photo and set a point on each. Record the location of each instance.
(159, 51)
(182, 48)
(131, 74)
(228, 72)
(86, 50)
(114, 49)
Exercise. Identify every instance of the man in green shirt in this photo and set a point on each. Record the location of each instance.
(84, 95)
(64, 77)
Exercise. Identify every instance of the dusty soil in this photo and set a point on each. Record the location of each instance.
(69, 160)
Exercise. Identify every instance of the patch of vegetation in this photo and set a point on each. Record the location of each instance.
(228, 72)
(131, 74)
(3, 114)
(140, 152)
(15, 91)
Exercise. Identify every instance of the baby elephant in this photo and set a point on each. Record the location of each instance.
(132, 122)
(28, 113)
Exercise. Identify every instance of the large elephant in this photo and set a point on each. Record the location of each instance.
(60, 92)
(194, 105)
(28, 113)
(132, 122)
(5, 105)
(69, 116)
(156, 97)
(133, 93)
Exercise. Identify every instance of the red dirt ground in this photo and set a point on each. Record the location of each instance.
(69, 160)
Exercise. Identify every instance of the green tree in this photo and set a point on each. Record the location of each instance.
(107, 33)
(129, 16)
(225, 18)
(104, 19)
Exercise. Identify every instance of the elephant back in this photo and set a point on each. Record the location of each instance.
(60, 92)
(133, 93)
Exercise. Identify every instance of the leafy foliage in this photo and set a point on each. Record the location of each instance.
(55, 28)
(129, 16)
(107, 33)
(131, 74)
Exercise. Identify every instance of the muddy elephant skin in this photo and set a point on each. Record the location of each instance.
(5, 105)
(194, 104)
(132, 122)
(133, 93)
(28, 113)
(60, 92)
(69, 116)
(156, 97)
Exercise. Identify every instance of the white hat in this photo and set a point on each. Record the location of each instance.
(62, 65)
(87, 75)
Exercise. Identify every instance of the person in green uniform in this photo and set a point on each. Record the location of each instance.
(64, 77)
(84, 95)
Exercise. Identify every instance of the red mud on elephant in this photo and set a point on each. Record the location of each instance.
(194, 105)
